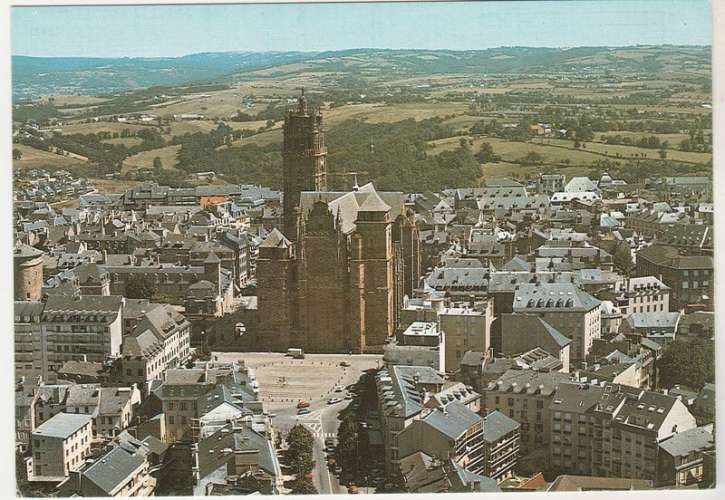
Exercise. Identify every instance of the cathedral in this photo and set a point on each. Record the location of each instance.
(334, 279)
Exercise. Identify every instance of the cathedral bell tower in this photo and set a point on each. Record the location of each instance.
(303, 160)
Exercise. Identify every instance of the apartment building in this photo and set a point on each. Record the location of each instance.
(183, 395)
(28, 332)
(642, 294)
(690, 277)
(60, 446)
(488, 447)
(111, 408)
(127, 469)
(571, 311)
(525, 396)
(612, 430)
(78, 329)
(161, 339)
(681, 457)
(421, 344)
(465, 329)
(401, 391)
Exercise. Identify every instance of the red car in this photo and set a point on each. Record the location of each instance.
(303, 404)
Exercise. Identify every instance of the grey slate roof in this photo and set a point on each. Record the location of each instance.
(454, 421)
(62, 425)
(87, 303)
(683, 443)
(496, 425)
(113, 469)
(543, 296)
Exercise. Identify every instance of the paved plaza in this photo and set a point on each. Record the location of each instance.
(284, 381)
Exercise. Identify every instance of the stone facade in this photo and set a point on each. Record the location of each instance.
(335, 280)
(28, 267)
(303, 160)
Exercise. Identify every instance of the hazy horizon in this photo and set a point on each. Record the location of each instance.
(366, 48)
(168, 31)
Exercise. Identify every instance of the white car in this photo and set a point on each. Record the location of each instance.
(333, 401)
(339, 388)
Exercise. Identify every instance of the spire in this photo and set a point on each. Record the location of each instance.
(302, 102)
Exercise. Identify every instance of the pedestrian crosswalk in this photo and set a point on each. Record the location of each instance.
(316, 429)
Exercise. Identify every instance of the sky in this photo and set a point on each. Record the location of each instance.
(174, 30)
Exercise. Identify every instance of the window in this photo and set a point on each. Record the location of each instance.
(685, 284)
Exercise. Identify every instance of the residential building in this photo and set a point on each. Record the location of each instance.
(638, 295)
(681, 456)
(421, 344)
(612, 430)
(525, 396)
(690, 277)
(60, 446)
(86, 329)
(465, 329)
(568, 309)
(127, 469)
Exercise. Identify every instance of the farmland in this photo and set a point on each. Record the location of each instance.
(603, 104)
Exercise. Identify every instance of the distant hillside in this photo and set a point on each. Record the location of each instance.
(33, 76)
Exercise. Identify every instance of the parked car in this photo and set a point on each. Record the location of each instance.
(303, 404)
(339, 388)
(330, 443)
(349, 396)
(345, 364)
(303, 411)
(333, 401)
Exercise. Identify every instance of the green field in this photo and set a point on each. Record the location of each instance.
(35, 158)
(145, 159)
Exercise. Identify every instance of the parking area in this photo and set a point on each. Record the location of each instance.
(284, 381)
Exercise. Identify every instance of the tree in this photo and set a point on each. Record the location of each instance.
(486, 154)
(302, 486)
(157, 163)
(663, 153)
(299, 451)
(141, 286)
(347, 439)
(532, 158)
(17, 154)
(690, 363)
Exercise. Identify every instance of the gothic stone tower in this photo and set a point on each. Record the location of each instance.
(303, 160)
(277, 309)
(373, 273)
